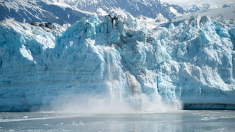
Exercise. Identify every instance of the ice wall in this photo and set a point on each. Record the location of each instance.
(121, 61)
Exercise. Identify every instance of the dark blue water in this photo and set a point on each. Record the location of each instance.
(186, 121)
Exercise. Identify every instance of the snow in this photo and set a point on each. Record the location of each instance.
(150, 22)
(26, 53)
(175, 11)
(38, 11)
(147, 8)
(197, 5)
(100, 66)
(101, 12)
(222, 13)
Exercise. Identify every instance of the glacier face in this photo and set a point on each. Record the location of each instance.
(117, 62)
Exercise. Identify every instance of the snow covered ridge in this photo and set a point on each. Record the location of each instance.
(95, 64)
(28, 11)
(69, 11)
(221, 13)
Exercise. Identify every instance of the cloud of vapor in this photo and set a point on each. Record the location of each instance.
(102, 104)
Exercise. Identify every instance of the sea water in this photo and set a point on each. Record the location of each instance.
(185, 121)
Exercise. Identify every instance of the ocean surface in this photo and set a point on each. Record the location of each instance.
(186, 121)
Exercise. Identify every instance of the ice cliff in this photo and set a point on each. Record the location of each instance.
(122, 60)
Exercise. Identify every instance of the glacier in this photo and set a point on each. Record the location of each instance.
(117, 63)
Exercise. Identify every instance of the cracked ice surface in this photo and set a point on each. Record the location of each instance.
(192, 63)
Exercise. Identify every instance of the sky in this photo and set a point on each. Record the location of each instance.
(199, 1)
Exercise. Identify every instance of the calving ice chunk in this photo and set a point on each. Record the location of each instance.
(117, 66)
